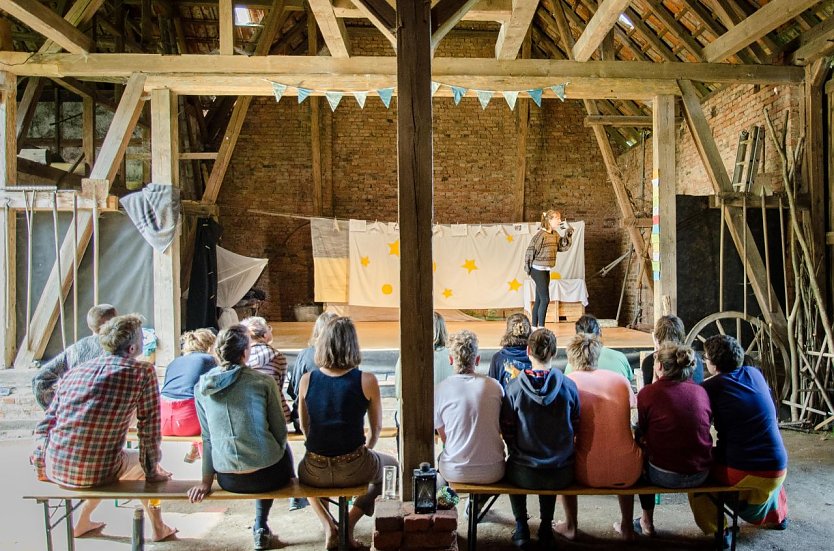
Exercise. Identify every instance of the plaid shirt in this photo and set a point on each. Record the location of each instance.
(85, 426)
(267, 360)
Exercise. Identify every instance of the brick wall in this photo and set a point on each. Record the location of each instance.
(728, 112)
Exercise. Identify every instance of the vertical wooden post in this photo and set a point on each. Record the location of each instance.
(829, 90)
(226, 17)
(166, 265)
(88, 135)
(814, 170)
(414, 167)
(522, 122)
(315, 121)
(8, 223)
(664, 234)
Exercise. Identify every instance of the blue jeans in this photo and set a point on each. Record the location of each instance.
(668, 479)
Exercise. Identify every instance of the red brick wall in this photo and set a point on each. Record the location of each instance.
(728, 112)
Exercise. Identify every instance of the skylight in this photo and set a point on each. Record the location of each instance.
(242, 16)
(626, 21)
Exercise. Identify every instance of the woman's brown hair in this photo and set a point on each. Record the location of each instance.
(517, 332)
(677, 360)
(583, 351)
(542, 345)
(338, 345)
(199, 340)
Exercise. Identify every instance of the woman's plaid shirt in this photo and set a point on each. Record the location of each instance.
(84, 430)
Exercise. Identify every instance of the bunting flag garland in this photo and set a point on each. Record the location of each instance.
(536, 96)
(458, 92)
(510, 97)
(483, 97)
(360, 98)
(385, 94)
(278, 90)
(333, 98)
(303, 93)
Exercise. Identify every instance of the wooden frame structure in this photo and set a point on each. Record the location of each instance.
(609, 63)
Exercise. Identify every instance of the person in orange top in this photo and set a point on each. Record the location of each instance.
(607, 455)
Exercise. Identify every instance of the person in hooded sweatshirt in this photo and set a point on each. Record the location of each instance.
(539, 416)
(244, 430)
(512, 359)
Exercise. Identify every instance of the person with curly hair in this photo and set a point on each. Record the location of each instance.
(512, 359)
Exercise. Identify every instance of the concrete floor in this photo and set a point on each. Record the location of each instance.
(216, 526)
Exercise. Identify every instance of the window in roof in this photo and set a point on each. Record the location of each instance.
(242, 16)
(626, 21)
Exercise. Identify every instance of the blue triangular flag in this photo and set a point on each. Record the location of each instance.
(333, 98)
(536, 95)
(278, 90)
(484, 96)
(434, 87)
(510, 97)
(385, 94)
(360, 98)
(303, 93)
(458, 92)
(559, 90)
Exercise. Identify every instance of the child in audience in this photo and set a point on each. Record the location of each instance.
(244, 431)
(266, 359)
(606, 454)
(749, 447)
(512, 359)
(179, 415)
(467, 407)
(539, 416)
(674, 419)
(333, 403)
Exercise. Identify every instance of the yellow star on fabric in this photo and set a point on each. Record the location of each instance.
(447, 293)
(469, 265)
(365, 260)
(555, 275)
(394, 248)
(510, 239)
(434, 266)
(514, 285)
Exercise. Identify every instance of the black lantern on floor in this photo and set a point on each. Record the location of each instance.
(425, 489)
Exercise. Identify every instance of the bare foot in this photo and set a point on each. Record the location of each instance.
(563, 530)
(646, 529)
(163, 533)
(626, 531)
(84, 527)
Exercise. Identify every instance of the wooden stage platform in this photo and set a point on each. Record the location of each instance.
(384, 335)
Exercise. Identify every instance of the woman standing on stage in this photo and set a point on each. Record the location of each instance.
(539, 259)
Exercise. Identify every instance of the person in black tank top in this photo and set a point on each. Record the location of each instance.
(333, 403)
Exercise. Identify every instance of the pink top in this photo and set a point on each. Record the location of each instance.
(606, 454)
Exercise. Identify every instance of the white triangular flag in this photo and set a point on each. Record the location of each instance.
(360, 98)
(483, 97)
(435, 86)
(278, 90)
(333, 98)
(510, 97)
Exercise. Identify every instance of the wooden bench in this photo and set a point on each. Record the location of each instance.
(132, 436)
(722, 496)
(46, 493)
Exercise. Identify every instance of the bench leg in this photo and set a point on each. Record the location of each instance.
(47, 524)
(70, 537)
(343, 523)
(472, 534)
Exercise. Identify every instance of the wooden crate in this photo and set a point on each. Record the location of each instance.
(570, 311)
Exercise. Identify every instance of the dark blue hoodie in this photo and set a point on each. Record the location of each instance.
(508, 362)
(539, 417)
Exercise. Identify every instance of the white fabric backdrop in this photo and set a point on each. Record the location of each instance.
(236, 274)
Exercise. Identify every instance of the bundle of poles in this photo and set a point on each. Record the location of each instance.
(810, 338)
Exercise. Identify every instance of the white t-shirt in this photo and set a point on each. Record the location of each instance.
(467, 408)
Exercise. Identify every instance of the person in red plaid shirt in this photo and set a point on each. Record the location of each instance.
(80, 442)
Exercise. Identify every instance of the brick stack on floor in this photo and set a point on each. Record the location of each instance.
(396, 526)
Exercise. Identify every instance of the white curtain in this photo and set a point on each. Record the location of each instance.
(236, 274)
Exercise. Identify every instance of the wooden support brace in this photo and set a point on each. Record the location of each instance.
(8, 220)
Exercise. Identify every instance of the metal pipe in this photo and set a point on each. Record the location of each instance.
(137, 541)
(75, 267)
(30, 219)
(721, 258)
(58, 266)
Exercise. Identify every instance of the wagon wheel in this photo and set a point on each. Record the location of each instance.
(757, 339)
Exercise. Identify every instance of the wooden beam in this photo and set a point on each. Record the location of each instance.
(26, 109)
(325, 73)
(226, 21)
(600, 25)
(46, 173)
(43, 201)
(619, 121)
(720, 180)
(332, 28)
(198, 156)
(738, 198)
(522, 124)
(43, 20)
(315, 127)
(414, 168)
(445, 15)
(814, 167)
(767, 18)
(6, 35)
(166, 265)
(272, 25)
(512, 32)
(484, 10)
(200, 209)
(382, 15)
(676, 29)
(88, 130)
(8, 220)
(664, 240)
(814, 44)
(105, 168)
